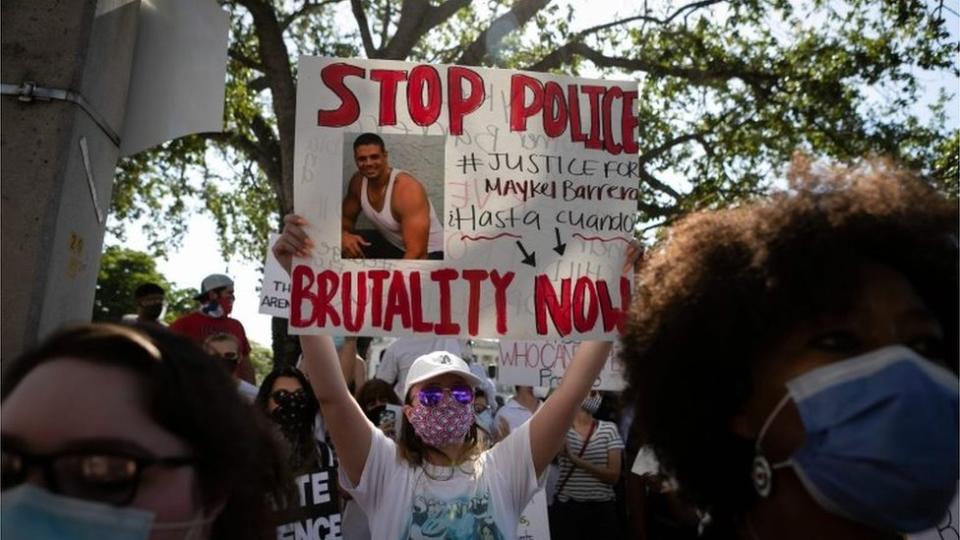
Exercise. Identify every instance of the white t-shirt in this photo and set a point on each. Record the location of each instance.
(514, 414)
(414, 503)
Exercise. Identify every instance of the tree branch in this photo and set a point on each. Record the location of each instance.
(417, 17)
(276, 66)
(360, 15)
(704, 77)
(239, 57)
(518, 15)
(567, 51)
(305, 9)
(658, 184)
(385, 22)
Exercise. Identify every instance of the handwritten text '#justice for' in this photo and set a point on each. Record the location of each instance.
(559, 106)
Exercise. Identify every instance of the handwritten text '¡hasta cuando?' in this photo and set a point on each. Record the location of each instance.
(559, 107)
(390, 298)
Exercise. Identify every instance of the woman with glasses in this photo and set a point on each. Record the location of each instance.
(288, 400)
(438, 479)
(109, 432)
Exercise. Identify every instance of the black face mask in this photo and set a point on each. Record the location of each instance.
(152, 312)
(294, 411)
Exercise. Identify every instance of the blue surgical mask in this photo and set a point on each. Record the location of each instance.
(28, 512)
(338, 342)
(881, 439)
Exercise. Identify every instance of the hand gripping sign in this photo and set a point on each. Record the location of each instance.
(490, 203)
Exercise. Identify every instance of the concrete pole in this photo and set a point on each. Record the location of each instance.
(57, 163)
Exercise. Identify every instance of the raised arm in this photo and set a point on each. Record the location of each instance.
(548, 427)
(348, 426)
(412, 208)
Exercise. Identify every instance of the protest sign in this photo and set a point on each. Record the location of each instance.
(534, 524)
(314, 512)
(275, 288)
(529, 183)
(543, 363)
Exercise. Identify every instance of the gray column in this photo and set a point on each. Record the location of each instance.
(52, 232)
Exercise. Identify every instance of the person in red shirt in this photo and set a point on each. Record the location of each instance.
(212, 317)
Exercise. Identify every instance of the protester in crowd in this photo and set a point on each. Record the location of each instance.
(373, 399)
(589, 467)
(483, 413)
(216, 299)
(649, 498)
(795, 358)
(110, 432)
(395, 202)
(401, 353)
(225, 348)
(288, 400)
(516, 411)
(437, 478)
(148, 298)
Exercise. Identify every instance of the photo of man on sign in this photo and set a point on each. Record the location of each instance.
(396, 204)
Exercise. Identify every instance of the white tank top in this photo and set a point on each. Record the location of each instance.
(388, 227)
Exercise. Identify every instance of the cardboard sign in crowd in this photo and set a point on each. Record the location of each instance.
(532, 181)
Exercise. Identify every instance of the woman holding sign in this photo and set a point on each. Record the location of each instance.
(438, 479)
(795, 359)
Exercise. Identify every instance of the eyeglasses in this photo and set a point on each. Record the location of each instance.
(432, 395)
(110, 477)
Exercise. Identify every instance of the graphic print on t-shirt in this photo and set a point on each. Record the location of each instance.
(463, 518)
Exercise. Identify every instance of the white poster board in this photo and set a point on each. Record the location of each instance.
(532, 177)
(543, 363)
(275, 287)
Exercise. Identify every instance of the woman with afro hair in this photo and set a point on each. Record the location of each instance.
(795, 357)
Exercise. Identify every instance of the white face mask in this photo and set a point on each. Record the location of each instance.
(592, 404)
(30, 512)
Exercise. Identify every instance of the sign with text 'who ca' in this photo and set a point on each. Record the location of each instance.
(489, 203)
(543, 363)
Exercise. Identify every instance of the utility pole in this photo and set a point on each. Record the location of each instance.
(66, 70)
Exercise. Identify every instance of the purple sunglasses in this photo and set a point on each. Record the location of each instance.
(430, 396)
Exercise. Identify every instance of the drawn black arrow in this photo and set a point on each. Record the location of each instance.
(530, 259)
(560, 248)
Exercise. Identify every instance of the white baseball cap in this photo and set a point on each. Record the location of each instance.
(437, 363)
(212, 282)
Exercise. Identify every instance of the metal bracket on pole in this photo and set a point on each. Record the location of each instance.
(29, 92)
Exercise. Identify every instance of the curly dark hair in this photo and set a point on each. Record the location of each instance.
(721, 284)
(190, 395)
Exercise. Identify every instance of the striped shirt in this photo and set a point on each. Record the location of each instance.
(583, 486)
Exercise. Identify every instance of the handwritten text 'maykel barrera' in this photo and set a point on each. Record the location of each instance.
(562, 110)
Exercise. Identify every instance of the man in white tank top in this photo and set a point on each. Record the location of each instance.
(395, 202)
